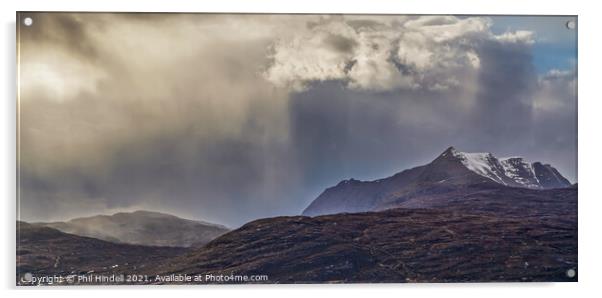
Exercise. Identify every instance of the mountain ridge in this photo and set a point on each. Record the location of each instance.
(447, 173)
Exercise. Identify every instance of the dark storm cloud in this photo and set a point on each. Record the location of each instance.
(502, 108)
(340, 43)
(340, 134)
(229, 118)
(62, 30)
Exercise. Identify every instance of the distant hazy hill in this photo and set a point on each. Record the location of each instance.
(142, 227)
(47, 251)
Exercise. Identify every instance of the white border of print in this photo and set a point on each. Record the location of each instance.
(590, 202)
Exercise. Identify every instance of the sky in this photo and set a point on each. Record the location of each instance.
(230, 118)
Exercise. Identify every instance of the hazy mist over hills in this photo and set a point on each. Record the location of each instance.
(143, 228)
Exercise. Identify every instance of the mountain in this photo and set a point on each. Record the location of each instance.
(464, 217)
(143, 228)
(451, 174)
(44, 251)
(395, 245)
(549, 177)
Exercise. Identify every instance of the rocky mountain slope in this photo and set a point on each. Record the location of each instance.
(143, 228)
(452, 173)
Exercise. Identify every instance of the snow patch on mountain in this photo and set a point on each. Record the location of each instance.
(511, 171)
(484, 164)
(522, 172)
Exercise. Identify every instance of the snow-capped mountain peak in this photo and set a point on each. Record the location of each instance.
(451, 177)
(510, 171)
(482, 163)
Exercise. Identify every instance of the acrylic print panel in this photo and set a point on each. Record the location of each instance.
(176, 148)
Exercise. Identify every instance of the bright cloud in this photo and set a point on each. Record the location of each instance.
(429, 52)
